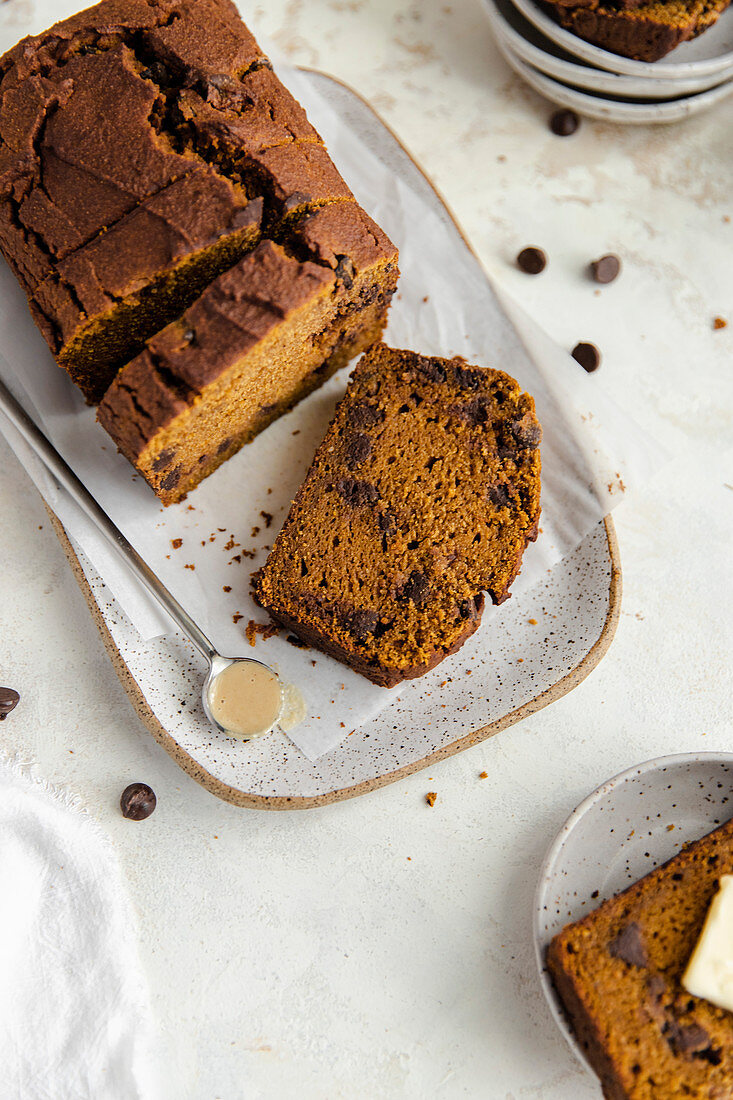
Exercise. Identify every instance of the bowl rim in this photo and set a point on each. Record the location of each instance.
(588, 803)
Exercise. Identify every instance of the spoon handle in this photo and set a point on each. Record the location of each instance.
(66, 477)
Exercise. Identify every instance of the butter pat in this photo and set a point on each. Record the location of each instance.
(709, 972)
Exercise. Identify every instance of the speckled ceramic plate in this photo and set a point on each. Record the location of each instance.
(609, 108)
(529, 651)
(634, 822)
(711, 53)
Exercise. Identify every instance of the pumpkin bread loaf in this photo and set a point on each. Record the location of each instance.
(423, 495)
(643, 31)
(618, 973)
(145, 147)
(260, 338)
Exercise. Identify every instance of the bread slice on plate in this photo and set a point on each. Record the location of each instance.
(422, 496)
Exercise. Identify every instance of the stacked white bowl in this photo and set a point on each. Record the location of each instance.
(575, 74)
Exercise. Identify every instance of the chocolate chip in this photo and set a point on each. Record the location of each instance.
(690, 1039)
(362, 623)
(431, 368)
(224, 446)
(156, 72)
(416, 588)
(531, 261)
(564, 123)
(9, 699)
(606, 269)
(588, 356)
(356, 492)
(629, 946)
(345, 271)
(172, 479)
(467, 378)
(137, 801)
(526, 433)
(498, 495)
(469, 609)
(162, 460)
(357, 450)
(362, 415)
(472, 412)
(656, 986)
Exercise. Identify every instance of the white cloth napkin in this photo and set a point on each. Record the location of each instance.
(75, 1022)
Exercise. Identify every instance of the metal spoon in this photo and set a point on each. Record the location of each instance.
(66, 477)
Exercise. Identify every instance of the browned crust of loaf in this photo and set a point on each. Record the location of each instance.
(382, 677)
(588, 1029)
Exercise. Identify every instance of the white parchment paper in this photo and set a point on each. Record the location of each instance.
(592, 452)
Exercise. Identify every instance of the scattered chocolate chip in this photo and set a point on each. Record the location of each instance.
(345, 271)
(357, 493)
(588, 356)
(416, 588)
(689, 1039)
(564, 123)
(606, 269)
(357, 450)
(531, 261)
(526, 433)
(137, 801)
(9, 699)
(629, 946)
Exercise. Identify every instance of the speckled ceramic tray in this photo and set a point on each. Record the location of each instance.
(541, 645)
(630, 825)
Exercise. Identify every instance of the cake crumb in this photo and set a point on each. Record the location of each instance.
(430, 797)
(231, 543)
(532, 622)
(255, 532)
(343, 725)
(719, 322)
(267, 516)
(483, 775)
(237, 616)
(253, 628)
(237, 558)
(190, 566)
(670, 828)
(176, 543)
(226, 588)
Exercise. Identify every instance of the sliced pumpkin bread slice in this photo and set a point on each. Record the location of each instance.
(422, 496)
